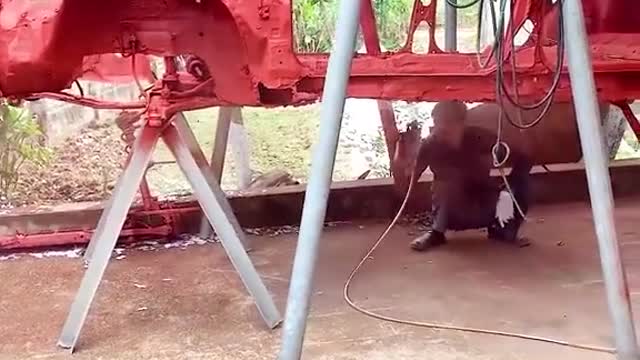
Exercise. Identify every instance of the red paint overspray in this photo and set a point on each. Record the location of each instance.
(46, 45)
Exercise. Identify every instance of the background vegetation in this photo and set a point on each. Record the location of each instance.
(314, 21)
(20, 143)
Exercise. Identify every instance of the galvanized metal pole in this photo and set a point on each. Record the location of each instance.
(587, 112)
(450, 26)
(106, 234)
(184, 146)
(238, 140)
(317, 194)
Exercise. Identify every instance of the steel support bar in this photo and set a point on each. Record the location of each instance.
(217, 209)
(182, 142)
(189, 139)
(147, 201)
(450, 26)
(317, 194)
(106, 234)
(238, 140)
(587, 111)
(217, 157)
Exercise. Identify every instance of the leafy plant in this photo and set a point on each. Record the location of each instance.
(314, 23)
(392, 20)
(315, 20)
(20, 137)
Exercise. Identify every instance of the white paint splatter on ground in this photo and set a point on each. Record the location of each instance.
(182, 243)
(72, 253)
(9, 257)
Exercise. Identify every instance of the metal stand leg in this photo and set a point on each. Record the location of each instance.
(217, 157)
(106, 235)
(126, 124)
(189, 156)
(88, 252)
(189, 139)
(218, 211)
(315, 203)
(587, 112)
(240, 150)
(148, 202)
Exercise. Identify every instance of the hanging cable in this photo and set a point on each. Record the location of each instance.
(497, 25)
(455, 4)
(497, 163)
(80, 89)
(557, 70)
(134, 73)
(501, 88)
(485, 63)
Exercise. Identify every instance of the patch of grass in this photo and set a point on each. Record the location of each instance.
(282, 138)
(279, 138)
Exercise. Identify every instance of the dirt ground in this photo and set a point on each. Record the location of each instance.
(189, 303)
(83, 168)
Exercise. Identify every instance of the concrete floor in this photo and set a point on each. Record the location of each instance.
(196, 307)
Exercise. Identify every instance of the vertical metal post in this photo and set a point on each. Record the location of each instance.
(450, 26)
(317, 194)
(219, 151)
(587, 112)
(240, 149)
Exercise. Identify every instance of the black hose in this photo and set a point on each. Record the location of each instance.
(484, 64)
(455, 4)
(501, 89)
(557, 70)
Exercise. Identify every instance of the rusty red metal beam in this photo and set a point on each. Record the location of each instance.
(374, 198)
(42, 51)
(78, 237)
(372, 44)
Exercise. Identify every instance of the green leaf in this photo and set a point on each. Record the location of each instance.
(20, 137)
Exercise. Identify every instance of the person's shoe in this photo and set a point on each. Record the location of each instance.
(494, 233)
(508, 234)
(428, 240)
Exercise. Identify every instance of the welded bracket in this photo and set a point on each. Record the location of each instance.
(182, 143)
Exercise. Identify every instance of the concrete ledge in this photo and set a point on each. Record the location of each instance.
(375, 198)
